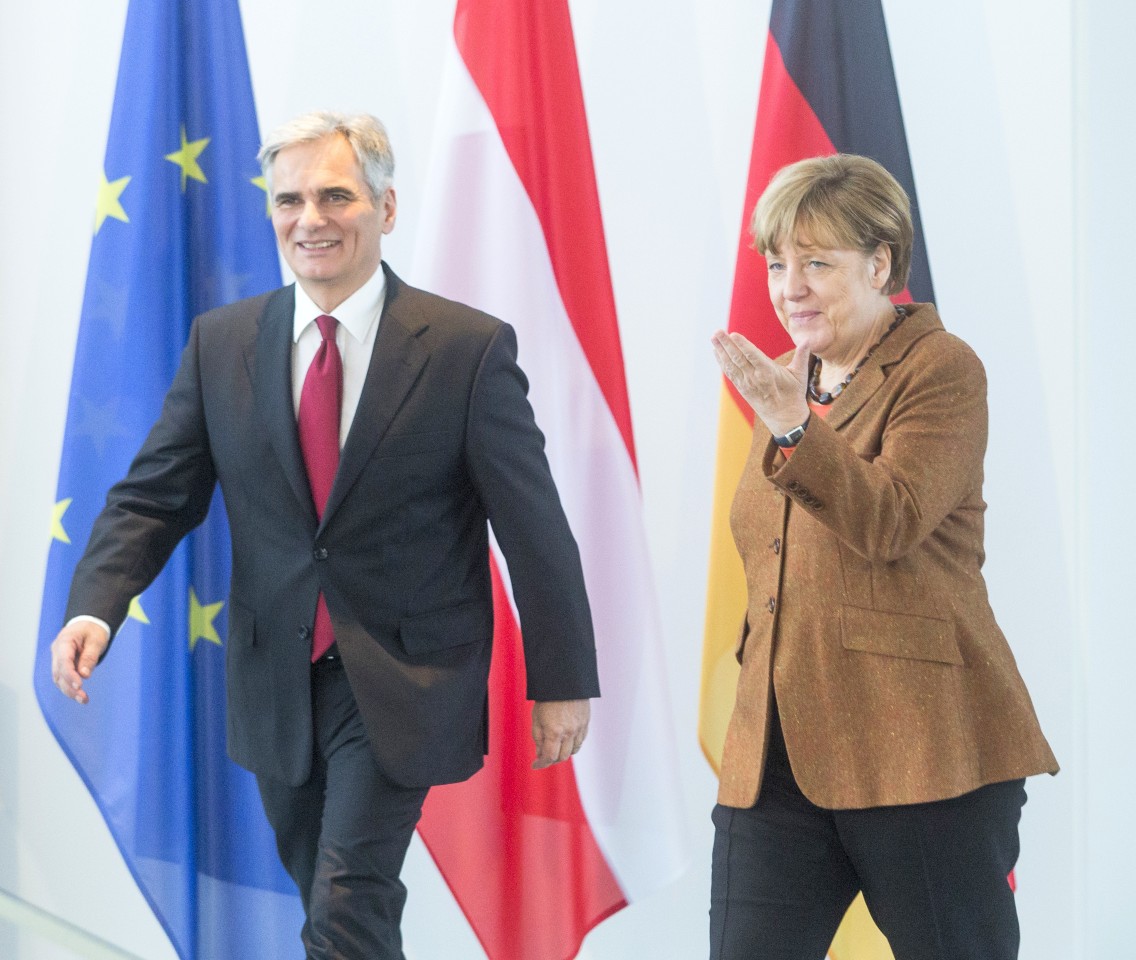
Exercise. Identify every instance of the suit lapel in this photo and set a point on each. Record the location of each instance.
(920, 321)
(270, 366)
(859, 392)
(397, 358)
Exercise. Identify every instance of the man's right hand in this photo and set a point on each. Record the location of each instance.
(74, 654)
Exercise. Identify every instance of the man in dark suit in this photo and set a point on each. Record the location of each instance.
(362, 433)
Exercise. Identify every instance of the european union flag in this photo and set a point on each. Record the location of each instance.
(180, 227)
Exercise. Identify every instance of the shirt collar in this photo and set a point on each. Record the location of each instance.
(355, 314)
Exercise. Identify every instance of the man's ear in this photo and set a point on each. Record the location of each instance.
(388, 205)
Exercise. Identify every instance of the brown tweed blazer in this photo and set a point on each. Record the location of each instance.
(867, 609)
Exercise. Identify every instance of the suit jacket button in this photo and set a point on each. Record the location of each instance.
(776, 545)
(320, 553)
(772, 604)
(305, 634)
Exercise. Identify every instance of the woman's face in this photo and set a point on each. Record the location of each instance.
(829, 300)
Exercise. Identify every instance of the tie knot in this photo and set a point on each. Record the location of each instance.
(327, 326)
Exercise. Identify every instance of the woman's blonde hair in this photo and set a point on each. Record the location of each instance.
(844, 202)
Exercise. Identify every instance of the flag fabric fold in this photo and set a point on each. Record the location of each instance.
(512, 225)
(827, 87)
(180, 227)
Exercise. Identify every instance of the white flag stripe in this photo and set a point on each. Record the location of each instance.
(482, 243)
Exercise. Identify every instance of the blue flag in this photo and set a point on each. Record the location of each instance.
(180, 227)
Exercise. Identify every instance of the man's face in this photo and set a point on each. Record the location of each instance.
(328, 226)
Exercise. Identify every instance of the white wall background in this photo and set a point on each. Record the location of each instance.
(1022, 133)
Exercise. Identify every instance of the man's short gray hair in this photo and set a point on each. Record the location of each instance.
(365, 133)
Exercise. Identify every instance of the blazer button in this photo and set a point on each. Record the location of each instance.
(772, 604)
(776, 545)
(305, 634)
(320, 553)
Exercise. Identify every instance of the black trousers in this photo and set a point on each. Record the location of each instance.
(343, 835)
(934, 875)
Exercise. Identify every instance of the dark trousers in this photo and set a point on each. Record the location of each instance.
(344, 834)
(934, 875)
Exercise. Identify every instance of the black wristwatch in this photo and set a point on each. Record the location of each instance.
(793, 437)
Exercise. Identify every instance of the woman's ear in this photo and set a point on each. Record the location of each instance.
(880, 263)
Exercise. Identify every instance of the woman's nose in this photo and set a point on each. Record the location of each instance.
(795, 286)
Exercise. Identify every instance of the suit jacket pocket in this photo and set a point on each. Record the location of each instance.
(442, 629)
(899, 635)
(251, 718)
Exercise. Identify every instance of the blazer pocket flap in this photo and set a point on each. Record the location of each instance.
(442, 629)
(899, 635)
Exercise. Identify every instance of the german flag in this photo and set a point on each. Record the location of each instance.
(827, 87)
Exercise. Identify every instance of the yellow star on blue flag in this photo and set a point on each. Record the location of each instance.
(57, 531)
(135, 612)
(107, 203)
(186, 158)
(263, 184)
(201, 620)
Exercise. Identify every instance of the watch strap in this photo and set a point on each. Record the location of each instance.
(793, 437)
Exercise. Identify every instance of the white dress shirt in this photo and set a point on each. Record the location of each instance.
(358, 318)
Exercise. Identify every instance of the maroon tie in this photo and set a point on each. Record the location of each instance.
(320, 402)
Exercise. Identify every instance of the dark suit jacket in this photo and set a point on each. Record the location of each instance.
(443, 439)
(868, 611)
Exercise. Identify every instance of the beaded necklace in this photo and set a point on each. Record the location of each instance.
(826, 397)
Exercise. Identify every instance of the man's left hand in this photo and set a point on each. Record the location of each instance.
(559, 728)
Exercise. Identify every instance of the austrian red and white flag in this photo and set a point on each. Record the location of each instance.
(512, 225)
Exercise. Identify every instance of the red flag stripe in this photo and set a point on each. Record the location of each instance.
(526, 842)
(514, 845)
(522, 57)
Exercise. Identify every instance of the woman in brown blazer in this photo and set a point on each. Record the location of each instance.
(882, 732)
